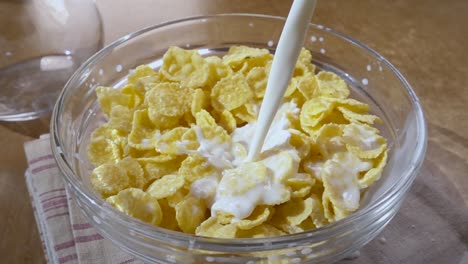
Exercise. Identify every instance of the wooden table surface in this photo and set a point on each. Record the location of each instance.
(425, 39)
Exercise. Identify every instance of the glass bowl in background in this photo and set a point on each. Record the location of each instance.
(42, 42)
(372, 79)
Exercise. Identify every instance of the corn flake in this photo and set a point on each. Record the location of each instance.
(331, 85)
(257, 79)
(143, 133)
(373, 174)
(230, 93)
(227, 121)
(211, 228)
(166, 186)
(109, 97)
(259, 216)
(109, 178)
(121, 119)
(313, 112)
(190, 213)
(186, 67)
(169, 142)
(169, 216)
(168, 102)
(134, 172)
(340, 180)
(239, 180)
(242, 58)
(195, 167)
(363, 140)
(136, 203)
(260, 231)
(104, 146)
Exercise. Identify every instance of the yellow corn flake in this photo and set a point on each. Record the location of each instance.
(166, 186)
(363, 140)
(317, 216)
(351, 105)
(186, 67)
(199, 101)
(218, 69)
(308, 85)
(134, 172)
(292, 87)
(104, 146)
(168, 102)
(259, 216)
(136, 203)
(356, 117)
(331, 85)
(224, 218)
(136, 93)
(300, 180)
(281, 165)
(331, 212)
(211, 228)
(301, 142)
(169, 216)
(329, 140)
(109, 97)
(257, 79)
(295, 211)
(313, 112)
(239, 180)
(340, 180)
(246, 113)
(260, 231)
(373, 174)
(121, 119)
(140, 72)
(304, 63)
(231, 92)
(227, 121)
(190, 213)
(109, 178)
(208, 129)
(195, 167)
(143, 133)
(169, 142)
(177, 197)
(189, 140)
(204, 119)
(241, 57)
(159, 166)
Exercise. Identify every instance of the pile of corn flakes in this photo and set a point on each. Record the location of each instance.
(147, 156)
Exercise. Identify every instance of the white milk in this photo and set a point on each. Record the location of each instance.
(289, 47)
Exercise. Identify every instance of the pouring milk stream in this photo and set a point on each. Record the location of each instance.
(289, 47)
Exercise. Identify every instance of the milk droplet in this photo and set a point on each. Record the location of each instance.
(101, 72)
(382, 240)
(210, 259)
(270, 43)
(369, 68)
(313, 38)
(118, 68)
(322, 51)
(321, 39)
(365, 81)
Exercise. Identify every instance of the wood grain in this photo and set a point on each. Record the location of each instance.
(424, 39)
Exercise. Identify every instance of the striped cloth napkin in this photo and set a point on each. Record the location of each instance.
(66, 235)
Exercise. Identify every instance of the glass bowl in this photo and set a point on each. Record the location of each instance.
(372, 79)
(42, 42)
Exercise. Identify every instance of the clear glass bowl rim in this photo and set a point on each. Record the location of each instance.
(178, 238)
